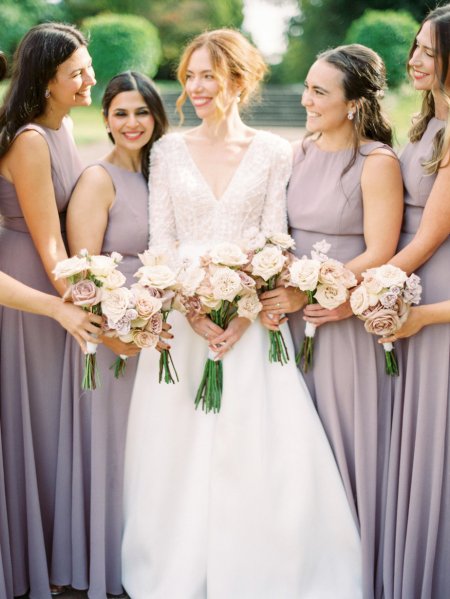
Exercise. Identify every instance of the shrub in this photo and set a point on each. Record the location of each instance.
(390, 33)
(121, 42)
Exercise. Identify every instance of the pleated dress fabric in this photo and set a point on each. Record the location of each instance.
(31, 366)
(351, 391)
(417, 554)
(90, 484)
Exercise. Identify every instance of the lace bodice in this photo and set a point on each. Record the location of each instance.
(183, 208)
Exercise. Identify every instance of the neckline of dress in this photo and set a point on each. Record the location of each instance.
(229, 185)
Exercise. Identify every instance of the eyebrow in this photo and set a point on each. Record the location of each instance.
(201, 72)
(137, 108)
(317, 87)
(423, 45)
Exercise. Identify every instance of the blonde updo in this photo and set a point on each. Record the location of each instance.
(234, 59)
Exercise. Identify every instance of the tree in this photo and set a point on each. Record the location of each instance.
(121, 42)
(389, 33)
(323, 24)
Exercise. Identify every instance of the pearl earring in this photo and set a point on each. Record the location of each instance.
(47, 94)
(238, 98)
(350, 115)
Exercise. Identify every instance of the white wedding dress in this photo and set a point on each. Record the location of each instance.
(247, 503)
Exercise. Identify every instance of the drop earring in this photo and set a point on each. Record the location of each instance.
(47, 94)
(350, 115)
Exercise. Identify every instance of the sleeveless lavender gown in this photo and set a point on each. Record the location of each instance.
(417, 552)
(90, 486)
(347, 381)
(32, 350)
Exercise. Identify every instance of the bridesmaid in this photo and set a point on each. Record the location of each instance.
(108, 212)
(39, 166)
(417, 553)
(346, 187)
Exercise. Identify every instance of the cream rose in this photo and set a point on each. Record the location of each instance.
(115, 303)
(282, 240)
(226, 284)
(331, 296)
(304, 274)
(102, 266)
(389, 275)
(154, 256)
(144, 339)
(320, 250)
(359, 300)
(114, 280)
(249, 306)
(70, 267)
(268, 262)
(146, 305)
(227, 254)
(190, 278)
(160, 276)
(253, 240)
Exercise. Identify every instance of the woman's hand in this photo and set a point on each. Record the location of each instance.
(315, 314)
(165, 334)
(414, 323)
(204, 326)
(119, 347)
(283, 300)
(272, 321)
(84, 326)
(222, 343)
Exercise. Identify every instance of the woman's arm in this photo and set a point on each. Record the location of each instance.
(80, 324)
(434, 226)
(27, 165)
(420, 316)
(382, 193)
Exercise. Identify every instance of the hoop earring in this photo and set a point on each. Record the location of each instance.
(47, 94)
(350, 115)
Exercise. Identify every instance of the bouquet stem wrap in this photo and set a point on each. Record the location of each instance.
(277, 350)
(119, 366)
(90, 373)
(305, 355)
(390, 359)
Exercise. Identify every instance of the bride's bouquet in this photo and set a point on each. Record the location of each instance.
(269, 258)
(382, 301)
(89, 277)
(158, 281)
(326, 282)
(221, 290)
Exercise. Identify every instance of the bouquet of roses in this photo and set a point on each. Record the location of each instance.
(382, 301)
(159, 282)
(269, 259)
(326, 282)
(89, 277)
(132, 315)
(220, 289)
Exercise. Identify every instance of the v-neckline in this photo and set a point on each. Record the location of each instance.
(201, 177)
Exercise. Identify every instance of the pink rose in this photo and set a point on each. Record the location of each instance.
(85, 293)
(383, 321)
(144, 339)
(155, 324)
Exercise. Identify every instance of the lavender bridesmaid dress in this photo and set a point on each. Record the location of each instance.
(347, 381)
(417, 553)
(6, 591)
(31, 364)
(89, 540)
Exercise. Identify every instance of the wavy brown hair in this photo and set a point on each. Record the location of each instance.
(439, 19)
(234, 59)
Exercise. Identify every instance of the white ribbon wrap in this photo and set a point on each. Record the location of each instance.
(91, 348)
(388, 346)
(310, 329)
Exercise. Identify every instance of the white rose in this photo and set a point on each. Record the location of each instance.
(101, 266)
(304, 274)
(116, 302)
(225, 283)
(268, 262)
(159, 276)
(359, 300)
(371, 281)
(249, 306)
(389, 275)
(70, 267)
(114, 280)
(282, 240)
(154, 256)
(227, 254)
(253, 239)
(320, 250)
(190, 278)
(331, 296)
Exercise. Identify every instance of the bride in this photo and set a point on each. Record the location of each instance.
(247, 503)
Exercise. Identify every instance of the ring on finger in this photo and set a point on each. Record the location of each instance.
(206, 335)
(278, 305)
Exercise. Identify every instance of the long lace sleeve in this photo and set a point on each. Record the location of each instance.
(274, 216)
(162, 227)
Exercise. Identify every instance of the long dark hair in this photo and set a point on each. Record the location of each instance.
(35, 63)
(364, 81)
(439, 19)
(134, 81)
(3, 66)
